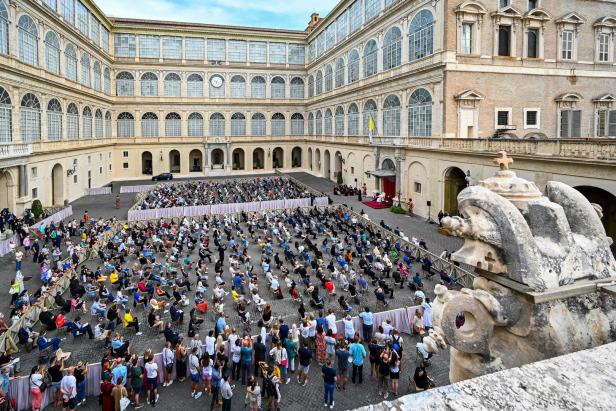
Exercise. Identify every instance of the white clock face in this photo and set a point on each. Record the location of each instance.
(216, 81)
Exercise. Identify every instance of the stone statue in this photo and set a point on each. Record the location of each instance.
(540, 260)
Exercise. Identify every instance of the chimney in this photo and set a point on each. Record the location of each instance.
(314, 21)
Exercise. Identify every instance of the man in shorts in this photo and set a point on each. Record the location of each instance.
(195, 373)
(68, 388)
(151, 372)
(305, 357)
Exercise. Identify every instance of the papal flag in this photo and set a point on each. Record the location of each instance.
(371, 129)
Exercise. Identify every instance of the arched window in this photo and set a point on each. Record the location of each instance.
(238, 124)
(421, 35)
(98, 74)
(54, 120)
(99, 127)
(297, 124)
(107, 81)
(195, 125)
(353, 120)
(297, 88)
(370, 58)
(85, 69)
(278, 88)
(318, 123)
(149, 85)
(392, 48)
(238, 86)
(108, 127)
(329, 78)
(370, 110)
(278, 124)
(327, 123)
(72, 122)
(311, 86)
(257, 87)
(217, 86)
(217, 125)
(173, 85)
(149, 125)
(339, 120)
(125, 84)
(52, 53)
(30, 118)
(126, 125)
(319, 82)
(195, 85)
(4, 29)
(353, 68)
(86, 123)
(391, 116)
(339, 72)
(257, 124)
(71, 62)
(6, 116)
(28, 41)
(311, 124)
(173, 125)
(420, 113)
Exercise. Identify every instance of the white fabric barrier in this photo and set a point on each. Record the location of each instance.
(97, 191)
(137, 189)
(272, 205)
(297, 202)
(57, 217)
(321, 201)
(4, 244)
(194, 211)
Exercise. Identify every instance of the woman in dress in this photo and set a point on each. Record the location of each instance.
(180, 360)
(36, 380)
(320, 346)
(253, 394)
(108, 403)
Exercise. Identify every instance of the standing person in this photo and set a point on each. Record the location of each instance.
(394, 372)
(367, 324)
(253, 393)
(195, 373)
(358, 352)
(320, 345)
(81, 372)
(107, 401)
(427, 314)
(136, 381)
(236, 359)
(260, 350)
(329, 383)
(118, 392)
(37, 376)
(168, 362)
(226, 392)
(349, 328)
(342, 359)
(68, 388)
(291, 345)
(246, 353)
(216, 378)
(384, 371)
(305, 357)
(56, 373)
(281, 359)
(151, 373)
(117, 201)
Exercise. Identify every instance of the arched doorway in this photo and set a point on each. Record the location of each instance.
(218, 159)
(317, 159)
(455, 181)
(338, 166)
(388, 182)
(278, 158)
(238, 159)
(326, 164)
(607, 201)
(296, 157)
(195, 159)
(7, 191)
(258, 159)
(57, 185)
(310, 158)
(174, 161)
(146, 163)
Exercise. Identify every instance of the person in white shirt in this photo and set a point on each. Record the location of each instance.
(151, 373)
(168, 362)
(210, 342)
(68, 388)
(387, 327)
(331, 323)
(195, 373)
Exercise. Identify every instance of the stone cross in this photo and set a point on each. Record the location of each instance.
(503, 161)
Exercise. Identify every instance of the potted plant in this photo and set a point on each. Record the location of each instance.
(37, 208)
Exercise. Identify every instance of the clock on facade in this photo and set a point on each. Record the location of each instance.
(216, 81)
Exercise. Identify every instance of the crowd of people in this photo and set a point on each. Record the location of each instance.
(194, 193)
(175, 278)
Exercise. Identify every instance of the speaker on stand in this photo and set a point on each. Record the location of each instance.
(429, 219)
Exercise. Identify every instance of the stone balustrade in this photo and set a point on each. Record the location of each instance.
(14, 150)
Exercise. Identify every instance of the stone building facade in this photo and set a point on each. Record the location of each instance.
(86, 99)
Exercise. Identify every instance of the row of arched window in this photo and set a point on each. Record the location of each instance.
(90, 123)
(83, 68)
(125, 86)
(328, 121)
(421, 44)
(217, 125)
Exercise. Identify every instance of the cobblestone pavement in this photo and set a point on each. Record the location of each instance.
(294, 396)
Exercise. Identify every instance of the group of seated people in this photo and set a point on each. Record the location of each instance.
(346, 190)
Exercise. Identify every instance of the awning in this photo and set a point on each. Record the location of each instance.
(382, 173)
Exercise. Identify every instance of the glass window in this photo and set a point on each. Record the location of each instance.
(355, 16)
(604, 47)
(83, 18)
(567, 45)
(420, 113)
(372, 8)
(370, 111)
(149, 46)
(85, 69)
(125, 45)
(94, 29)
(195, 48)
(52, 53)
(97, 75)
(370, 58)
(319, 83)
(149, 85)
(6, 117)
(104, 39)
(353, 68)
(238, 124)
(126, 125)
(570, 123)
(68, 11)
(297, 54)
(107, 81)
(310, 124)
(86, 123)
(108, 128)
(51, 4)
(330, 36)
(533, 43)
(391, 117)
(4, 29)
(353, 120)
(28, 40)
(195, 85)
(318, 123)
(297, 124)
(125, 84)
(257, 87)
(172, 48)
(504, 40)
(195, 125)
(339, 121)
(312, 50)
(237, 51)
(392, 48)
(311, 86)
(329, 78)
(71, 62)
(54, 120)
(98, 124)
(297, 88)
(72, 122)
(217, 125)
(421, 35)
(277, 53)
(257, 124)
(278, 88)
(278, 125)
(173, 125)
(320, 44)
(339, 72)
(238, 87)
(341, 25)
(216, 49)
(466, 45)
(149, 125)
(258, 52)
(173, 85)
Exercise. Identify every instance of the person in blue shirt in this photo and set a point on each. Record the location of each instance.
(246, 357)
(216, 377)
(367, 324)
(358, 353)
(329, 383)
(119, 371)
(221, 323)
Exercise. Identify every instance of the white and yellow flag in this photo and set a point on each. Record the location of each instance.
(371, 129)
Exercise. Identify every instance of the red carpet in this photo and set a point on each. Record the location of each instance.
(376, 205)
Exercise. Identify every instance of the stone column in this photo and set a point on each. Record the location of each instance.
(184, 124)
(13, 46)
(405, 40)
(23, 180)
(138, 125)
(404, 114)
(43, 101)
(379, 58)
(41, 43)
(161, 123)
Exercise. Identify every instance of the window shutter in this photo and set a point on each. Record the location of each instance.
(576, 123)
(612, 124)
(564, 123)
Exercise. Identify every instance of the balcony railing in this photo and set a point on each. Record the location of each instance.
(14, 150)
